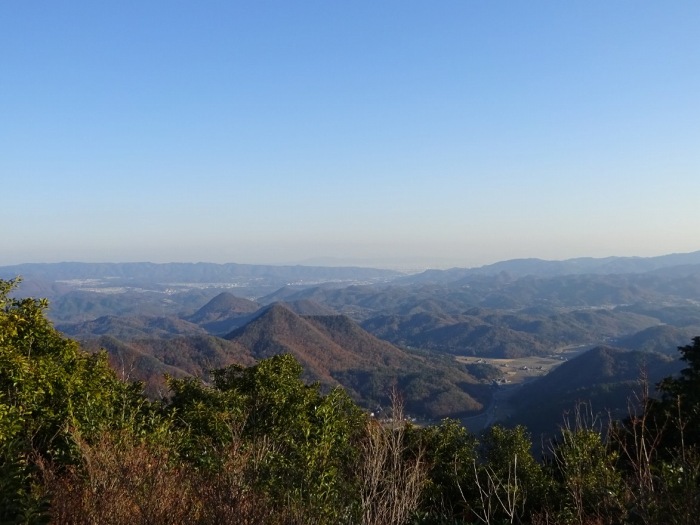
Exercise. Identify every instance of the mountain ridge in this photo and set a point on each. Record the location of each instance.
(335, 350)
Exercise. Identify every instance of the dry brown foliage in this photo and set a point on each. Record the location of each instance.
(129, 482)
(392, 477)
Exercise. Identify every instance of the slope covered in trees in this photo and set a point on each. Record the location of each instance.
(605, 380)
(258, 445)
(335, 350)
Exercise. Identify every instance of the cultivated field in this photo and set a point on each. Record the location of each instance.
(516, 372)
(522, 369)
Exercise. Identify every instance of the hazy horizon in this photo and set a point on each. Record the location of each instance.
(442, 135)
(407, 265)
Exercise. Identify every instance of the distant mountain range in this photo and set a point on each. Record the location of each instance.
(577, 266)
(219, 273)
(370, 330)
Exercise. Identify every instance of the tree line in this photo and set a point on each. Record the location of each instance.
(257, 445)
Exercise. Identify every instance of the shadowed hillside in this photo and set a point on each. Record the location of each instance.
(223, 306)
(606, 379)
(504, 334)
(664, 339)
(335, 350)
(149, 359)
(131, 327)
(224, 313)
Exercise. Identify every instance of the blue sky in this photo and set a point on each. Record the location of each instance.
(390, 133)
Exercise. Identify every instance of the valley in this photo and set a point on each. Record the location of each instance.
(510, 376)
(515, 371)
(460, 343)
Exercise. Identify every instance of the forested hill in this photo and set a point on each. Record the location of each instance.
(256, 444)
(433, 322)
(335, 350)
(608, 382)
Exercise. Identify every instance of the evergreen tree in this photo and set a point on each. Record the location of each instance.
(680, 403)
